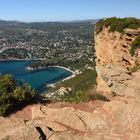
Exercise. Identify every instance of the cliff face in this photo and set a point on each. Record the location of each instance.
(113, 48)
(113, 59)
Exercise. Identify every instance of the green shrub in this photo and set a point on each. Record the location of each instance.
(98, 96)
(136, 67)
(135, 45)
(13, 95)
(81, 96)
(7, 84)
(117, 24)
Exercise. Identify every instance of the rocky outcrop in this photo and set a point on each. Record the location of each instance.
(113, 59)
(113, 48)
(132, 32)
(113, 79)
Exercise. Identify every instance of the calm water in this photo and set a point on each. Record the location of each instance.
(38, 79)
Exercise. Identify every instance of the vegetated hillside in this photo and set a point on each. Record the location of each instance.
(118, 24)
(22, 30)
(14, 27)
(81, 82)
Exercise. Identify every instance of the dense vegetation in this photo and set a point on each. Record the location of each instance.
(117, 24)
(73, 65)
(14, 95)
(135, 45)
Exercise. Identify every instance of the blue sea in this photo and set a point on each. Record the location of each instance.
(38, 79)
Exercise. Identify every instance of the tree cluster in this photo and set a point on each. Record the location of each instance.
(14, 95)
(117, 24)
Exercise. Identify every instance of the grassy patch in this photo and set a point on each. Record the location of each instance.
(81, 82)
(117, 24)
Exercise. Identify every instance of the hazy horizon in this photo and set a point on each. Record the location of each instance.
(61, 21)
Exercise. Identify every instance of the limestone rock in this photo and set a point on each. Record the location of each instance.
(132, 31)
(114, 78)
(114, 59)
(113, 49)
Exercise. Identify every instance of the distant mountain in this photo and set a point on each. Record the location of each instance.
(15, 22)
(88, 20)
(13, 27)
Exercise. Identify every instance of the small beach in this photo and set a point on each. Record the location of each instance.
(73, 72)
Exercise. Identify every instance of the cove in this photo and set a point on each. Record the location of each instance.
(38, 79)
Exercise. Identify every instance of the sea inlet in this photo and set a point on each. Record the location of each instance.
(38, 79)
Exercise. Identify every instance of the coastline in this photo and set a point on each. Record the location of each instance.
(74, 74)
(55, 66)
(52, 85)
(28, 68)
(67, 69)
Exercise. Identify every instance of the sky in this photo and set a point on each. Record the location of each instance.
(67, 10)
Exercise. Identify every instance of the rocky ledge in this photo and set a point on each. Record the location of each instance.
(113, 79)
